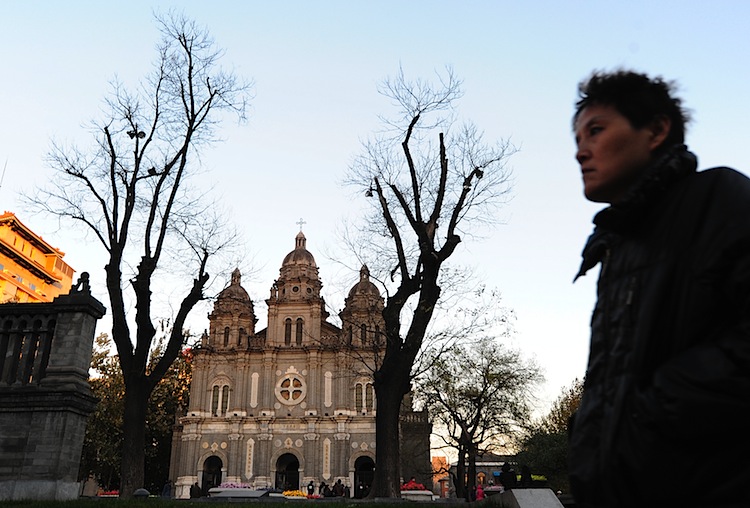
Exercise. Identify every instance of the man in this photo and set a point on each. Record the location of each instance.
(338, 488)
(195, 491)
(663, 419)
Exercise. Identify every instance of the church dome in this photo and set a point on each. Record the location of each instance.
(298, 277)
(234, 292)
(364, 286)
(300, 255)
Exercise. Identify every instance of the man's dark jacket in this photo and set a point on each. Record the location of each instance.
(664, 415)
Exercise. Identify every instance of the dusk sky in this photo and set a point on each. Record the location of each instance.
(316, 66)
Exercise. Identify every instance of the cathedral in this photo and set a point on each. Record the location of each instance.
(294, 402)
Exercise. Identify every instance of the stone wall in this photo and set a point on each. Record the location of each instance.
(45, 398)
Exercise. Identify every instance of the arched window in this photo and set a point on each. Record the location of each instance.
(358, 397)
(241, 336)
(363, 334)
(288, 332)
(220, 400)
(226, 336)
(364, 397)
(369, 397)
(224, 399)
(215, 401)
(299, 331)
(349, 335)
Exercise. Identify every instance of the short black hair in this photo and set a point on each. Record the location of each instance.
(637, 97)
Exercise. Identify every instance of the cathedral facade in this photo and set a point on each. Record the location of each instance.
(294, 402)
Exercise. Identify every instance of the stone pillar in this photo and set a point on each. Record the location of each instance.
(43, 422)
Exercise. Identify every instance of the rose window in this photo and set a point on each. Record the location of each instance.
(291, 389)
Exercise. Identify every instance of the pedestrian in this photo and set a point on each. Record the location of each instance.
(338, 488)
(327, 492)
(166, 491)
(310, 488)
(669, 359)
(480, 492)
(526, 480)
(507, 477)
(195, 491)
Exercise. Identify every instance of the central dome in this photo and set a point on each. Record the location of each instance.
(300, 255)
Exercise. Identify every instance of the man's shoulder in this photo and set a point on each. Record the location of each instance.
(727, 183)
(719, 196)
(722, 174)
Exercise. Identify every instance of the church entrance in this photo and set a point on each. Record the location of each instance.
(364, 472)
(211, 473)
(287, 472)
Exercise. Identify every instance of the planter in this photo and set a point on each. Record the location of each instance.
(417, 495)
(220, 493)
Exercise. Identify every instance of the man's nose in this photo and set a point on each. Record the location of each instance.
(582, 154)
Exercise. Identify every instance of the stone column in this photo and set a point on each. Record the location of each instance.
(42, 426)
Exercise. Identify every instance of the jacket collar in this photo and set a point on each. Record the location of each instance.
(672, 166)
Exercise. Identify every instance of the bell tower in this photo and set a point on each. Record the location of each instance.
(295, 307)
(232, 320)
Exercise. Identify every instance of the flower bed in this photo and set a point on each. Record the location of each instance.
(414, 491)
(412, 485)
(295, 494)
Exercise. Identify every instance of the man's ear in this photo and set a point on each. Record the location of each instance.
(659, 128)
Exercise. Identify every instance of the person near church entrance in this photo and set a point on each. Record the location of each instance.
(480, 492)
(310, 488)
(507, 477)
(166, 491)
(195, 491)
(338, 488)
(90, 487)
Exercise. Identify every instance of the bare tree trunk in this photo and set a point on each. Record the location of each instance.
(472, 472)
(461, 474)
(387, 478)
(134, 436)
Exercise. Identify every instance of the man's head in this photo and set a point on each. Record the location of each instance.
(622, 121)
(637, 97)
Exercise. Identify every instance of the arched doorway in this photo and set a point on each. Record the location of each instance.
(211, 473)
(364, 472)
(287, 472)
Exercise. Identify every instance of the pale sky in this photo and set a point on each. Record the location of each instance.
(316, 66)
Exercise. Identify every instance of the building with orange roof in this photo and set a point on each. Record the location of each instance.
(31, 270)
(440, 477)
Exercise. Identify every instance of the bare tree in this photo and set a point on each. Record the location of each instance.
(131, 191)
(427, 195)
(481, 394)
